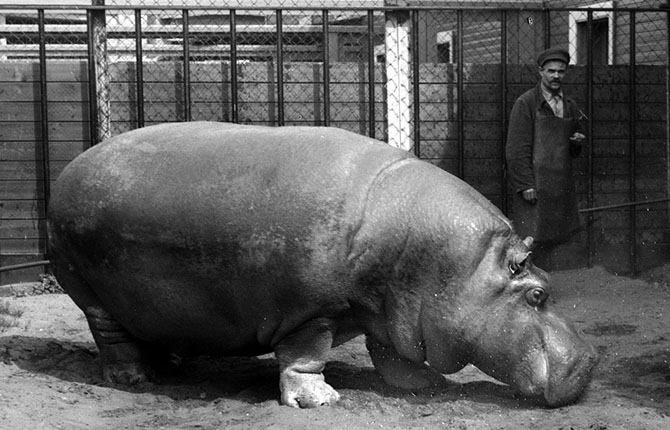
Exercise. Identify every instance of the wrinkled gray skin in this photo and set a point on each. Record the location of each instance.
(237, 240)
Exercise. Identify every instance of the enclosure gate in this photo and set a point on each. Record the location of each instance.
(439, 81)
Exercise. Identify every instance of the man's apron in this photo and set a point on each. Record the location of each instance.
(553, 218)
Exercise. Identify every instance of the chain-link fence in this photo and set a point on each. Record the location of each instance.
(437, 79)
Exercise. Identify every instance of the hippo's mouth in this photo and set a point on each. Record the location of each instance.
(567, 383)
(556, 376)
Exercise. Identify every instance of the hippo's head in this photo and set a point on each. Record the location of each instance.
(497, 316)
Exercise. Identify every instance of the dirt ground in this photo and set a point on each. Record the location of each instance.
(50, 377)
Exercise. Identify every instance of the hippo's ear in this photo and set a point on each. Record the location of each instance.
(518, 262)
(528, 242)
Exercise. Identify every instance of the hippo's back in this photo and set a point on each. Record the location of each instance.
(215, 175)
(173, 161)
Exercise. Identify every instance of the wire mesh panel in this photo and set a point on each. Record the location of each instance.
(438, 78)
(279, 64)
(460, 96)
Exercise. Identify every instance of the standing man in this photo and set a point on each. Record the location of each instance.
(544, 135)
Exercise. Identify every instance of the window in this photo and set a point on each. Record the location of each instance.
(445, 51)
(602, 34)
(599, 30)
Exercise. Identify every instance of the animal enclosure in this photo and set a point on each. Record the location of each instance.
(50, 110)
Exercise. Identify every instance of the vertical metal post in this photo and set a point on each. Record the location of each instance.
(416, 93)
(234, 103)
(187, 66)
(371, 75)
(503, 110)
(632, 161)
(98, 74)
(44, 112)
(666, 6)
(326, 70)
(92, 84)
(547, 29)
(139, 69)
(589, 108)
(459, 101)
(280, 69)
(398, 78)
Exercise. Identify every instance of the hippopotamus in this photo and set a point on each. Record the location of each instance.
(223, 239)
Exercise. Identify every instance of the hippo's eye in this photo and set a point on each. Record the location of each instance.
(536, 296)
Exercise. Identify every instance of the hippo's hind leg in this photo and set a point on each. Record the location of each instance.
(302, 357)
(121, 355)
(399, 371)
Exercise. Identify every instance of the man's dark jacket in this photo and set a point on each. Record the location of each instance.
(519, 147)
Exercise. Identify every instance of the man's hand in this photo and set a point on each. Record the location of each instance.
(529, 195)
(577, 137)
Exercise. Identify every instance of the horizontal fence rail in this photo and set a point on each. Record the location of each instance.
(436, 80)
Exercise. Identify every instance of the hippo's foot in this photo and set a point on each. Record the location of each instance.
(121, 356)
(306, 390)
(400, 372)
(126, 373)
(302, 357)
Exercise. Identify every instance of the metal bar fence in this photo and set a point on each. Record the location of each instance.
(237, 38)
(233, 68)
(44, 116)
(99, 72)
(504, 110)
(459, 101)
(280, 68)
(139, 69)
(92, 82)
(187, 66)
(590, 248)
(666, 8)
(632, 147)
(416, 83)
(371, 74)
(326, 69)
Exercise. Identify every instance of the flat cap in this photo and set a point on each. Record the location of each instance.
(553, 54)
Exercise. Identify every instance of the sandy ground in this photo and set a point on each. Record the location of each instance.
(50, 377)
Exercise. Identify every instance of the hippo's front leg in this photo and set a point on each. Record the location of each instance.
(399, 371)
(302, 357)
